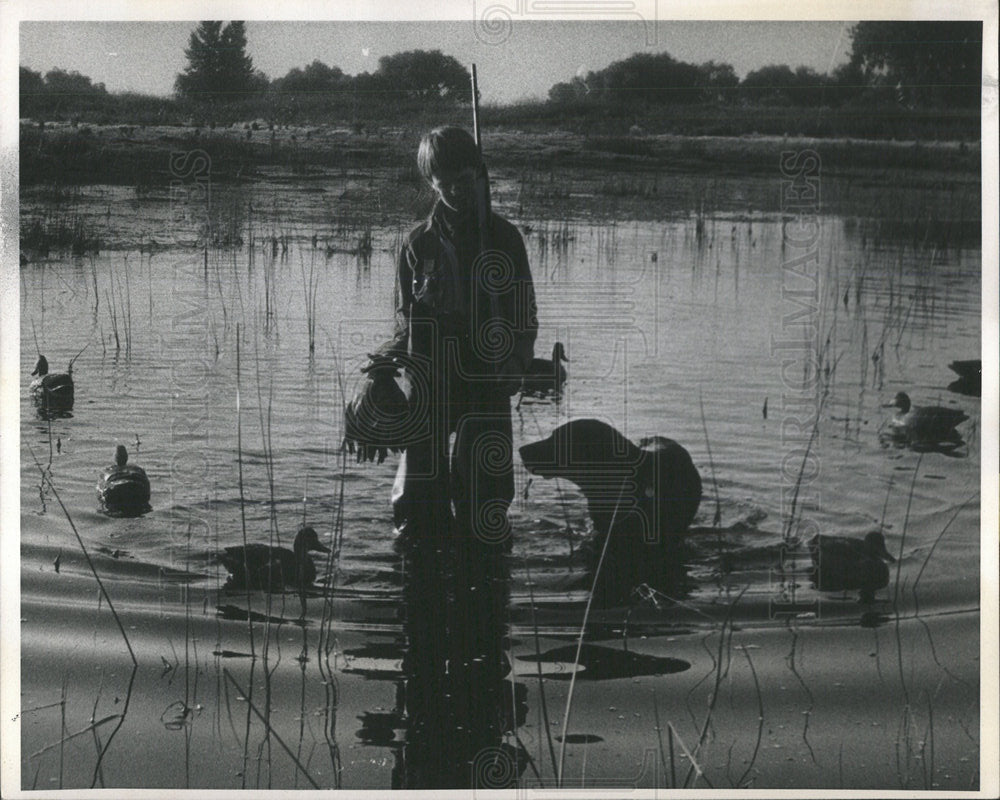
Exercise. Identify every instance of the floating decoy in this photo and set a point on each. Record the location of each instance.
(123, 488)
(970, 377)
(924, 423)
(841, 563)
(544, 376)
(273, 569)
(51, 390)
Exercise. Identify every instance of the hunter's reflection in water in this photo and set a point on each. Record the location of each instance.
(456, 710)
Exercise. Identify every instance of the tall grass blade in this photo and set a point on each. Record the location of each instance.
(538, 662)
(717, 519)
(271, 731)
(760, 718)
(579, 642)
(104, 592)
(695, 767)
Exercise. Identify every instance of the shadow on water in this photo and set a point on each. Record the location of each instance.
(951, 444)
(235, 613)
(455, 707)
(970, 387)
(457, 711)
(47, 413)
(599, 663)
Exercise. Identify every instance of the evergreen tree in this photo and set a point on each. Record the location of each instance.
(235, 67)
(218, 65)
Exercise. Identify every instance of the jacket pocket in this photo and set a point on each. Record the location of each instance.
(430, 285)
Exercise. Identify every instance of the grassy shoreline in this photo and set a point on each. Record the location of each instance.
(125, 153)
(926, 189)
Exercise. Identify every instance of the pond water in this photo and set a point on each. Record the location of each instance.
(766, 346)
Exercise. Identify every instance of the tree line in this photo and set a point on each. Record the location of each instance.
(916, 64)
(219, 69)
(929, 64)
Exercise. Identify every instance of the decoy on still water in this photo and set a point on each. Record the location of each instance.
(924, 423)
(544, 376)
(123, 488)
(53, 390)
(841, 563)
(273, 569)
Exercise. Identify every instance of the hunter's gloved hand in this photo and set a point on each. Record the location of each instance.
(374, 420)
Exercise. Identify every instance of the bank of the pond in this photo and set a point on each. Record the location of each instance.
(928, 192)
(134, 154)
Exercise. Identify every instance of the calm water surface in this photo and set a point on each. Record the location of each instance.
(688, 328)
(690, 345)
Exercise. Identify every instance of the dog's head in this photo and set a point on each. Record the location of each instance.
(651, 490)
(583, 451)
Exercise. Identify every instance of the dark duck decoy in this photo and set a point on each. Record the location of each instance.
(924, 423)
(377, 418)
(51, 390)
(970, 377)
(123, 488)
(273, 569)
(544, 376)
(841, 563)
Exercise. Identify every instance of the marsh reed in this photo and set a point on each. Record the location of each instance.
(545, 724)
(119, 301)
(579, 643)
(46, 477)
(265, 719)
(242, 494)
(119, 717)
(310, 282)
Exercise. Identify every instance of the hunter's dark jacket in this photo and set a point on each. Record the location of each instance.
(442, 278)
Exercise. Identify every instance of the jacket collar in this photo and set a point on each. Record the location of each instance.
(447, 222)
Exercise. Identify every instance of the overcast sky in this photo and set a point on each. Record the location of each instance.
(534, 54)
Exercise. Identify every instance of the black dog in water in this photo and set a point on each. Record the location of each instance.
(644, 496)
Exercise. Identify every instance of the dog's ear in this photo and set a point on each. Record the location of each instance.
(597, 442)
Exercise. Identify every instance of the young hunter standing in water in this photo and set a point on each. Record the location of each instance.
(466, 322)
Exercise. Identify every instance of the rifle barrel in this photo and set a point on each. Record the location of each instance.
(475, 110)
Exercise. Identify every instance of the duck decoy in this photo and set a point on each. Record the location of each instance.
(970, 377)
(924, 423)
(841, 563)
(545, 376)
(273, 569)
(123, 488)
(377, 418)
(53, 390)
